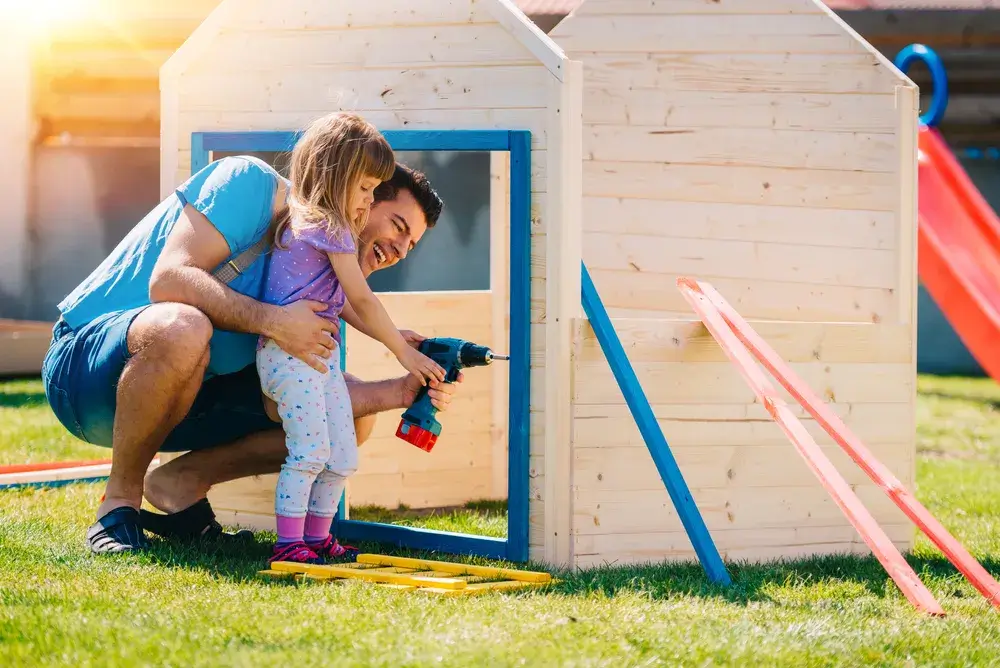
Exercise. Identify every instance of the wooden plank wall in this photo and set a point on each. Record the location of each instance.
(761, 147)
(754, 144)
(755, 492)
(402, 64)
(96, 76)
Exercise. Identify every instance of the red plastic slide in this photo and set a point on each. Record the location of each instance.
(959, 250)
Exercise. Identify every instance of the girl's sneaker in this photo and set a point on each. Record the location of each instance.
(298, 553)
(331, 550)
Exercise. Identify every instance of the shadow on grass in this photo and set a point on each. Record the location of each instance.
(242, 559)
(833, 577)
(836, 576)
(756, 582)
(22, 399)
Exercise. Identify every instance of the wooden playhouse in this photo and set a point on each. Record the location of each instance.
(759, 145)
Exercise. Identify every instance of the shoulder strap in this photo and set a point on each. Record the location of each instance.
(228, 272)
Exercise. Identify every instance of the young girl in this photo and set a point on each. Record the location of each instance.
(335, 166)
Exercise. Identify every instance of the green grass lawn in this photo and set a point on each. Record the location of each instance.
(180, 607)
(30, 433)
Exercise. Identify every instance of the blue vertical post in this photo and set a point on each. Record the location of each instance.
(518, 442)
(642, 412)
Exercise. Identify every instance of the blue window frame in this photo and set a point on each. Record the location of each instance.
(518, 144)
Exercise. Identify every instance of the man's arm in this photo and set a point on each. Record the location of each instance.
(182, 274)
(378, 396)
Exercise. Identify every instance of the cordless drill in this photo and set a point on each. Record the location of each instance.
(419, 425)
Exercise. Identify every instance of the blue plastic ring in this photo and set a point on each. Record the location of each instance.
(939, 101)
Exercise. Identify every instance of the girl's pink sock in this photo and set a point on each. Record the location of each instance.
(290, 529)
(317, 528)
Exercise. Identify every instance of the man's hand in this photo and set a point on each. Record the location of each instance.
(300, 332)
(440, 393)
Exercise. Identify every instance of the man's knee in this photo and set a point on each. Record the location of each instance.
(177, 332)
(363, 426)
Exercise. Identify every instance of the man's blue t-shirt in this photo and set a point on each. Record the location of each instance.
(236, 194)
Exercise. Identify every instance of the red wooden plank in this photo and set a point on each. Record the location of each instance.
(852, 445)
(883, 549)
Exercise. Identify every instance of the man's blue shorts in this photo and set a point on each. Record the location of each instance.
(81, 372)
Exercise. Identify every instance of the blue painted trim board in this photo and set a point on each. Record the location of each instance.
(518, 143)
(400, 140)
(611, 345)
(422, 539)
(519, 391)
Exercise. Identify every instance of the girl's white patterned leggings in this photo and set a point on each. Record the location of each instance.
(318, 419)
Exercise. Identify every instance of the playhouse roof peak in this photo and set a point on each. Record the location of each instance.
(386, 13)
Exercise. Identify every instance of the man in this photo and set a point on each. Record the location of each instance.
(154, 354)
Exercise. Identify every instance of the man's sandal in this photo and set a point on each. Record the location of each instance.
(196, 522)
(117, 531)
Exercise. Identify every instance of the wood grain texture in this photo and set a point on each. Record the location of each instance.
(754, 145)
(687, 340)
(615, 102)
(651, 8)
(706, 466)
(640, 294)
(302, 15)
(764, 33)
(719, 382)
(722, 221)
(723, 72)
(562, 299)
(742, 147)
(735, 545)
(651, 511)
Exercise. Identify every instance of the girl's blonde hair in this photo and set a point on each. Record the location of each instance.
(330, 159)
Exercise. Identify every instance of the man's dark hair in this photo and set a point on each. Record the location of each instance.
(405, 178)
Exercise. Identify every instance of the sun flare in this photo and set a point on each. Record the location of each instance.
(37, 14)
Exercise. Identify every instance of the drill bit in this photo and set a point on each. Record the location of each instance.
(501, 357)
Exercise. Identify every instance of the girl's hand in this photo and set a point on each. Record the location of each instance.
(421, 366)
(412, 338)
